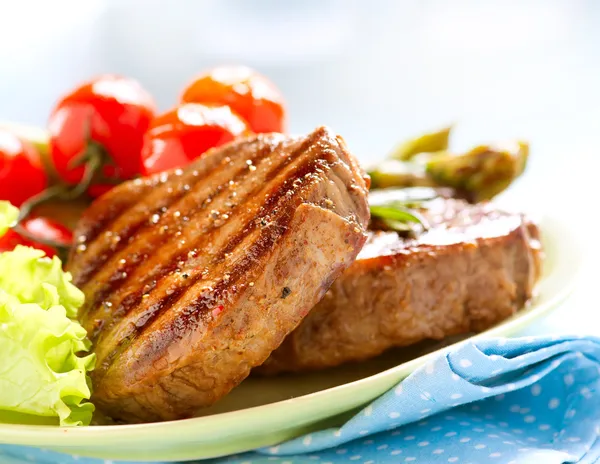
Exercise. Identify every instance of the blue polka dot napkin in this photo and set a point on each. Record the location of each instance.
(507, 401)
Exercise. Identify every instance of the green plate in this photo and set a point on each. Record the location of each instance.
(263, 412)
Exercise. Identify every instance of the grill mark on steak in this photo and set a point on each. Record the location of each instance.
(180, 259)
(123, 273)
(191, 179)
(278, 226)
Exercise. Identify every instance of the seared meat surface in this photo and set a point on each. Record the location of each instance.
(195, 276)
(473, 268)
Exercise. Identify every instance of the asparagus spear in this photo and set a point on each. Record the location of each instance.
(430, 142)
(424, 161)
(482, 172)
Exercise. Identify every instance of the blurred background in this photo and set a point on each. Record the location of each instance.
(376, 71)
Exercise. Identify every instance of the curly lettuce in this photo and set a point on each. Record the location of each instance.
(42, 372)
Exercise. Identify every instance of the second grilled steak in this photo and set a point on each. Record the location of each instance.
(475, 267)
(194, 277)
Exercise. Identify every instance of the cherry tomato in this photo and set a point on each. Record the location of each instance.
(103, 120)
(22, 173)
(248, 93)
(40, 227)
(186, 132)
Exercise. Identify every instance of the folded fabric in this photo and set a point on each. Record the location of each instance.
(508, 401)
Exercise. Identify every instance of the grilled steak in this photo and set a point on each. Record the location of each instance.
(194, 277)
(473, 268)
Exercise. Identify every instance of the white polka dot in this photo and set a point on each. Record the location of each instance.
(423, 443)
(514, 408)
(493, 435)
(450, 434)
(536, 390)
(436, 429)
(369, 462)
(274, 449)
(476, 419)
(337, 433)
(363, 432)
(499, 397)
(341, 451)
(525, 410)
(475, 408)
(430, 368)
(495, 455)
(554, 403)
(488, 416)
(314, 457)
(425, 411)
(569, 379)
(586, 393)
(368, 442)
(491, 426)
(410, 458)
(456, 396)
(543, 427)
(409, 438)
(465, 440)
(368, 411)
(570, 413)
(399, 389)
(479, 446)
(517, 431)
(455, 376)
(307, 440)
(382, 447)
(394, 414)
(464, 423)
(453, 459)
(503, 424)
(355, 458)
(478, 429)
(532, 439)
(465, 362)
(529, 419)
(438, 451)
(425, 396)
(396, 452)
(507, 442)
(573, 439)
(396, 433)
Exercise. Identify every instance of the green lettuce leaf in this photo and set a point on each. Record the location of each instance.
(8, 216)
(40, 372)
(31, 277)
(43, 377)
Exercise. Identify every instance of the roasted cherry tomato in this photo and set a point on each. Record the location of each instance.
(22, 172)
(248, 93)
(102, 122)
(186, 132)
(39, 227)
